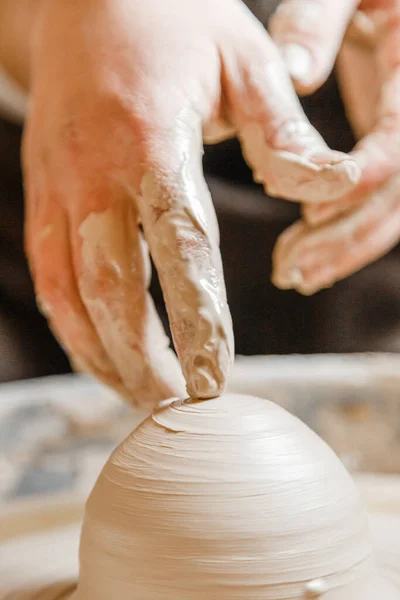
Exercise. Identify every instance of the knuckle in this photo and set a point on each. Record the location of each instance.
(136, 124)
(83, 124)
(74, 135)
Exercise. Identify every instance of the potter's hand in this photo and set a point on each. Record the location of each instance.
(338, 238)
(121, 93)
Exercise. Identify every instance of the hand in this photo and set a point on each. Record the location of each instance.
(337, 238)
(122, 91)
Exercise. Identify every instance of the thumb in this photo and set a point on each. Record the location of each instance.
(309, 34)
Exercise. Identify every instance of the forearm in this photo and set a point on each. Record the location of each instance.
(17, 19)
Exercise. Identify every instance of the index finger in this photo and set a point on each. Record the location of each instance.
(181, 230)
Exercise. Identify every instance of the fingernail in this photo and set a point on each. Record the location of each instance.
(298, 61)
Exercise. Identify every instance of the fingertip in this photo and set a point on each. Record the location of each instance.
(286, 278)
(346, 164)
(294, 279)
(203, 385)
(309, 34)
(348, 172)
(299, 62)
(311, 177)
(351, 169)
(340, 172)
(207, 375)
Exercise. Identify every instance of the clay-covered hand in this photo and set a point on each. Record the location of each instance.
(123, 91)
(337, 238)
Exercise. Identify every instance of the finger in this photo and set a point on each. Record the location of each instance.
(366, 25)
(113, 273)
(180, 227)
(310, 259)
(379, 152)
(48, 248)
(356, 71)
(285, 152)
(309, 34)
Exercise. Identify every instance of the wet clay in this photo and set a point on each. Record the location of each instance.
(226, 498)
(181, 229)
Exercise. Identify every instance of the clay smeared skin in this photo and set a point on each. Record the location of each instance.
(117, 113)
(226, 498)
(100, 129)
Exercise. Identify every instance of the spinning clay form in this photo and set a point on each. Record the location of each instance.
(226, 499)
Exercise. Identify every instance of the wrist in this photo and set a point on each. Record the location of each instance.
(17, 25)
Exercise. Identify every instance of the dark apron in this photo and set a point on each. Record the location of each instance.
(359, 314)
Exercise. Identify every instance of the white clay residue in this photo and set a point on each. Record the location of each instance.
(181, 229)
(182, 232)
(316, 588)
(113, 285)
